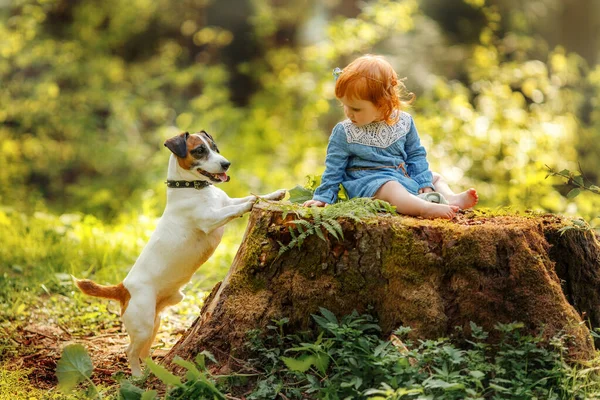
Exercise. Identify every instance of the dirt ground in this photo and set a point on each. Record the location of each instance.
(106, 350)
(37, 346)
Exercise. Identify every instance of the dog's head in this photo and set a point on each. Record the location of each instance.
(199, 154)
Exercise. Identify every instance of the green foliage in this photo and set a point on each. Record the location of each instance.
(325, 219)
(299, 194)
(348, 359)
(198, 384)
(92, 91)
(576, 180)
(75, 366)
(577, 183)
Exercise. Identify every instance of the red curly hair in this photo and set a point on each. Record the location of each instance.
(372, 78)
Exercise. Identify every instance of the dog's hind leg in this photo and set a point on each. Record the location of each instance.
(145, 353)
(169, 301)
(139, 319)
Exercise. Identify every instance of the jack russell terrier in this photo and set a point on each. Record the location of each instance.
(186, 235)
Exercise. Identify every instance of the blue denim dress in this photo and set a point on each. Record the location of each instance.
(364, 158)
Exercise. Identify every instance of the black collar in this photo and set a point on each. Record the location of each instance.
(188, 184)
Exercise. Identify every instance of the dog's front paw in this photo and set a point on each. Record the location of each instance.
(277, 195)
(247, 207)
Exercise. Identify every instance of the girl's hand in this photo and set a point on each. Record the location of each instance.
(425, 190)
(311, 203)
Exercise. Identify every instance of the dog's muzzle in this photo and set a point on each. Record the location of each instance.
(220, 177)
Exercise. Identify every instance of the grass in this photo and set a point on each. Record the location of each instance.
(41, 251)
(15, 385)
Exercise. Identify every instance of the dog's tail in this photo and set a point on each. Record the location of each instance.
(116, 292)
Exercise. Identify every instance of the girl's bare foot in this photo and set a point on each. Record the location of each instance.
(432, 210)
(464, 200)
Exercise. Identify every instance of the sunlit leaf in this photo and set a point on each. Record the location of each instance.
(192, 370)
(163, 374)
(321, 361)
(300, 194)
(73, 367)
(573, 193)
(300, 364)
(128, 391)
(149, 395)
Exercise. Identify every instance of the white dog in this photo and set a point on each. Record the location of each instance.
(186, 235)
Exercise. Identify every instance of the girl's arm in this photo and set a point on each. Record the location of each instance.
(335, 166)
(416, 161)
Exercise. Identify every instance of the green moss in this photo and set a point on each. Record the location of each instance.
(254, 245)
(405, 257)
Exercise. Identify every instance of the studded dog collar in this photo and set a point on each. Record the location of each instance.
(188, 184)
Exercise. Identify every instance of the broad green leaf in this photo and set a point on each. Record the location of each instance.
(322, 322)
(499, 388)
(149, 395)
(578, 179)
(477, 374)
(300, 194)
(322, 362)
(379, 349)
(300, 364)
(329, 315)
(358, 382)
(367, 327)
(163, 374)
(573, 193)
(192, 371)
(73, 367)
(446, 386)
(128, 391)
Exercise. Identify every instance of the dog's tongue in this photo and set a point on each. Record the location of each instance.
(223, 177)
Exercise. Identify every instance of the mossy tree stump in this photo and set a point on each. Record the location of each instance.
(431, 275)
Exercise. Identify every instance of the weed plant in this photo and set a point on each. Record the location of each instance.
(349, 360)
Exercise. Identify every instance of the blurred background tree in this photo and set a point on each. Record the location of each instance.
(90, 90)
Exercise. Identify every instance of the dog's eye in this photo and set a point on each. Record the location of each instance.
(199, 151)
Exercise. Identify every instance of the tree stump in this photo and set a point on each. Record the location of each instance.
(431, 275)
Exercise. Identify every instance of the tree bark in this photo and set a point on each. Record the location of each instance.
(431, 275)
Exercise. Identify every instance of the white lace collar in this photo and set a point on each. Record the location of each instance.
(377, 134)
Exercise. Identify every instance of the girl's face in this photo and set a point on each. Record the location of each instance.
(360, 112)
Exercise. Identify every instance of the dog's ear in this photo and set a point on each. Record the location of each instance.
(178, 144)
(206, 133)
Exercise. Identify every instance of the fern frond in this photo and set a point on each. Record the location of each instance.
(319, 233)
(337, 227)
(302, 222)
(329, 227)
(355, 210)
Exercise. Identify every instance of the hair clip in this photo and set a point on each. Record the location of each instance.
(337, 72)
